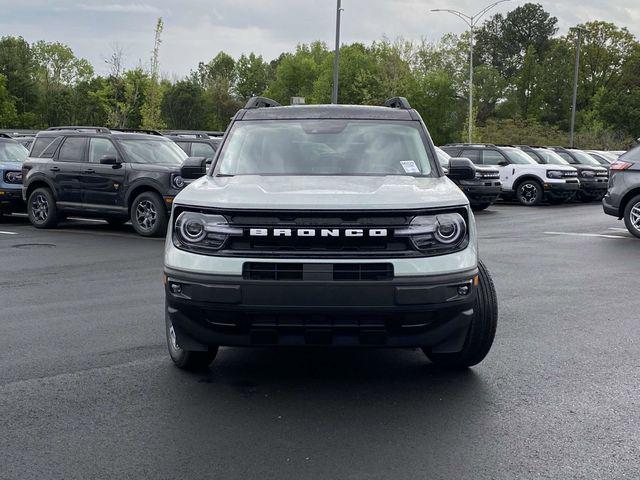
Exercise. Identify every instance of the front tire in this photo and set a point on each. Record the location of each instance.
(481, 332)
(529, 193)
(41, 208)
(149, 215)
(632, 216)
(185, 359)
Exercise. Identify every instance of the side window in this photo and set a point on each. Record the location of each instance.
(566, 156)
(202, 150)
(184, 146)
(101, 147)
(492, 157)
(473, 155)
(45, 147)
(72, 150)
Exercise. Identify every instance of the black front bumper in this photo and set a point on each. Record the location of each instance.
(594, 187)
(481, 192)
(405, 312)
(11, 199)
(561, 190)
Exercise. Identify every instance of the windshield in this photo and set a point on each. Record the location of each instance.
(154, 151)
(443, 157)
(585, 159)
(515, 155)
(550, 157)
(325, 147)
(12, 152)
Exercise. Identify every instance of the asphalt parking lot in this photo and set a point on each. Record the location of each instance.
(87, 389)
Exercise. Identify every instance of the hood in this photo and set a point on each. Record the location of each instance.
(546, 166)
(152, 167)
(322, 192)
(487, 168)
(592, 168)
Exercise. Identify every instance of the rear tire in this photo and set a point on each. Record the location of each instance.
(149, 215)
(185, 359)
(481, 332)
(632, 216)
(41, 208)
(529, 193)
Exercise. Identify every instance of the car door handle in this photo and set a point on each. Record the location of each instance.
(89, 170)
(55, 169)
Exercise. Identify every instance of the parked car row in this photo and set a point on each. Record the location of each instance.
(116, 175)
(532, 175)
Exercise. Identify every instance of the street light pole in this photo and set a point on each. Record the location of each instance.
(575, 88)
(471, 21)
(336, 56)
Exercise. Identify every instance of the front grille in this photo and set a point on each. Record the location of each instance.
(318, 272)
(570, 174)
(339, 244)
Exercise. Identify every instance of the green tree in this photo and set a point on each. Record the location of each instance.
(183, 105)
(18, 66)
(252, 76)
(8, 113)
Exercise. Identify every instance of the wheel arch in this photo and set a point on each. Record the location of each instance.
(40, 182)
(626, 199)
(137, 190)
(524, 178)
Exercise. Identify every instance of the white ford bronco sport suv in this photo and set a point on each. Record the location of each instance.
(327, 226)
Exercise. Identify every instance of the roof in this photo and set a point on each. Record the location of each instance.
(94, 133)
(301, 112)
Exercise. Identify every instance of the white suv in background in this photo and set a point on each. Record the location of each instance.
(521, 176)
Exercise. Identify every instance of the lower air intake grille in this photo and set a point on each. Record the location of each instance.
(318, 271)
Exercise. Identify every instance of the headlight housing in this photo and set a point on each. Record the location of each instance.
(555, 174)
(177, 182)
(437, 234)
(202, 233)
(13, 177)
(587, 174)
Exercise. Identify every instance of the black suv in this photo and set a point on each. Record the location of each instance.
(115, 175)
(196, 143)
(593, 177)
(623, 198)
(484, 190)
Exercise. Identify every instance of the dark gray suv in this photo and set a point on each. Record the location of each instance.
(623, 197)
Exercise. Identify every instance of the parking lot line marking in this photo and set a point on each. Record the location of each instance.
(8, 233)
(585, 235)
(618, 229)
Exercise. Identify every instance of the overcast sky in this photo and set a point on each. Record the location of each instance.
(196, 30)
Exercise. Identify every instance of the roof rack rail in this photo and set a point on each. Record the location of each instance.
(137, 130)
(78, 129)
(465, 144)
(186, 133)
(261, 102)
(398, 102)
(215, 134)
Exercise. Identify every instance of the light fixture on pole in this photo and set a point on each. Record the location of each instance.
(336, 57)
(471, 21)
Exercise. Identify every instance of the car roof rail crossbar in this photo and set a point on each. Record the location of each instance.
(79, 128)
(186, 133)
(398, 102)
(138, 130)
(261, 102)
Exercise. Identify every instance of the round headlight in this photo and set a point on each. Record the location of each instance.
(554, 174)
(178, 181)
(450, 229)
(588, 173)
(192, 229)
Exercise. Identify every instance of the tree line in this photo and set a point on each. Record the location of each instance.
(523, 83)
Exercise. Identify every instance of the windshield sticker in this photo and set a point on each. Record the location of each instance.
(410, 167)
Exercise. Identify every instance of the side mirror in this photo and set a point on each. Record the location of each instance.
(503, 163)
(461, 169)
(110, 160)
(194, 167)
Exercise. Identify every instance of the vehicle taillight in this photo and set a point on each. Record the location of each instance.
(620, 165)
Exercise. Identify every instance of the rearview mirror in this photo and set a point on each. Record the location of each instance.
(194, 167)
(461, 169)
(110, 160)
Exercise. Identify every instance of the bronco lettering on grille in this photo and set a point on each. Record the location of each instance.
(315, 232)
